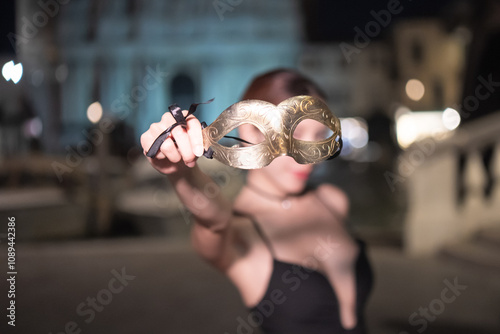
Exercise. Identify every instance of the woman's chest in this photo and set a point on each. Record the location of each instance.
(314, 242)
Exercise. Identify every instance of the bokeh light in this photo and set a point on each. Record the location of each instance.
(354, 132)
(415, 89)
(33, 128)
(451, 118)
(11, 71)
(94, 112)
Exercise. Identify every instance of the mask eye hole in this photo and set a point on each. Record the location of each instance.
(245, 135)
(311, 130)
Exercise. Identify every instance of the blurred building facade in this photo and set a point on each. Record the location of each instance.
(426, 51)
(355, 88)
(137, 57)
(454, 185)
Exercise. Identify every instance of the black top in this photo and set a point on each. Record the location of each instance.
(299, 299)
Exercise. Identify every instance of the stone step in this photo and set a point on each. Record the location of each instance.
(475, 252)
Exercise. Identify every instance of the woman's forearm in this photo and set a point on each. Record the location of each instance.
(212, 213)
(201, 195)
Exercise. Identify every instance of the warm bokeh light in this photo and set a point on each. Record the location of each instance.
(451, 119)
(94, 112)
(415, 89)
(413, 126)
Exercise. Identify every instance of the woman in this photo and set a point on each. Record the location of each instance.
(283, 246)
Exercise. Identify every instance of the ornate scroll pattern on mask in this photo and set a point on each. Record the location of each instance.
(306, 107)
(254, 112)
(277, 123)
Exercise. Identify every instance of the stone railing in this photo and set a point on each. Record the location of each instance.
(453, 186)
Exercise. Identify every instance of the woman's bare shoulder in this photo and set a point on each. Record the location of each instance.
(334, 198)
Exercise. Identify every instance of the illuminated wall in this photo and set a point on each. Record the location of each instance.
(137, 57)
(425, 51)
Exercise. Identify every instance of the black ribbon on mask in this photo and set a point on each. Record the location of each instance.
(180, 119)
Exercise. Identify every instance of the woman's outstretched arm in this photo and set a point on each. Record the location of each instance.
(212, 214)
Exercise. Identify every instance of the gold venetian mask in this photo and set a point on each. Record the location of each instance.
(278, 124)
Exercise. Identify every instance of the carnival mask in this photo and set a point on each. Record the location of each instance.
(277, 124)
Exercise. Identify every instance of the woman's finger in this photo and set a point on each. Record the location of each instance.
(195, 135)
(150, 136)
(169, 149)
(183, 144)
(167, 119)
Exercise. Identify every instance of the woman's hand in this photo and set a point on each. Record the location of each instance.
(175, 156)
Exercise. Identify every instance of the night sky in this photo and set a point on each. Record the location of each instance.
(335, 20)
(7, 24)
(326, 20)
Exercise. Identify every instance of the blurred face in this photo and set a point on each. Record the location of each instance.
(284, 173)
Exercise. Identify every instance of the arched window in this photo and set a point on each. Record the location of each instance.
(183, 90)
